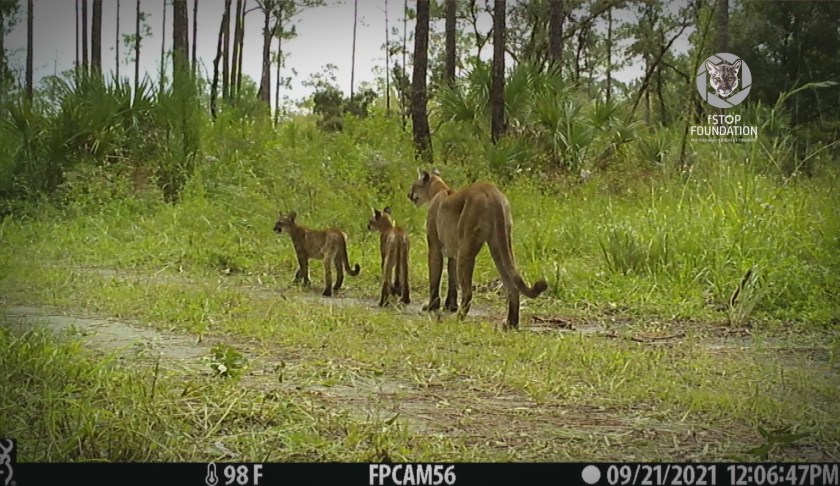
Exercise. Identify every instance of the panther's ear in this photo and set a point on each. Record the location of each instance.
(435, 172)
(711, 68)
(737, 65)
(292, 216)
(376, 213)
(387, 209)
(426, 176)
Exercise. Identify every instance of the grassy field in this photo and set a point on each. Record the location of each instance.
(638, 351)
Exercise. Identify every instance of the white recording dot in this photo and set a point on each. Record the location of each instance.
(591, 474)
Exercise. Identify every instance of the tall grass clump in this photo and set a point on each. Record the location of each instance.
(81, 121)
(680, 243)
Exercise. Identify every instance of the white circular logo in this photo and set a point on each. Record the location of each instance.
(591, 474)
(724, 80)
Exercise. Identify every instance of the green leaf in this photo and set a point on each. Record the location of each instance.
(762, 452)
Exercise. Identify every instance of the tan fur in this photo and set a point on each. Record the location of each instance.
(393, 249)
(329, 245)
(458, 224)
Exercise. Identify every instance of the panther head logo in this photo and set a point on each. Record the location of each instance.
(724, 77)
(724, 80)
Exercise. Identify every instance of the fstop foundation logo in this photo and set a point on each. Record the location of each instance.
(724, 81)
(728, 76)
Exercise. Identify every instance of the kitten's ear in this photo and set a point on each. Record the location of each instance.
(387, 209)
(435, 172)
(426, 176)
(292, 216)
(737, 65)
(376, 213)
(711, 68)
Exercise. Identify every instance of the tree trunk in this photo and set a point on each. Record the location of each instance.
(163, 47)
(609, 53)
(387, 65)
(650, 67)
(239, 45)
(698, 104)
(183, 90)
(137, 48)
(96, 38)
(226, 74)
(663, 110)
(117, 43)
(419, 116)
(2, 52)
(3, 47)
(581, 43)
(555, 31)
(647, 91)
(403, 94)
(85, 35)
(353, 55)
(497, 87)
(29, 50)
(589, 65)
(180, 42)
(449, 70)
(264, 94)
(241, 56)
(221, 50)
(723, 25)
(195, 38)
(697, 59)
(480, 40)
(278, 29)
(530, 52)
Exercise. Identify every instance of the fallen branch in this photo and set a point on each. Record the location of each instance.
(650, 339)
(561, 323)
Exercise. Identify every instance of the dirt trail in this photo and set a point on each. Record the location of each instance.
(423, 410)
(177, 352)
(341, 299)
(498, 420)
(502, 421)
(383, 398)
(347, 299)
(494, 419)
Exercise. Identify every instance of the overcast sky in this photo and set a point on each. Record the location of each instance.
(324, 37)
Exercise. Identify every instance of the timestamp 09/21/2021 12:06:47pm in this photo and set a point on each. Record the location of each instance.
(734, 474)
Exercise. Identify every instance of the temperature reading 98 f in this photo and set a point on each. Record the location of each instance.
(242, 474)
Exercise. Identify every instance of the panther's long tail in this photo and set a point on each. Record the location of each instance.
(352, 271)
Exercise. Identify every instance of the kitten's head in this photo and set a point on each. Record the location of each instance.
(285, 222)
(724, 77)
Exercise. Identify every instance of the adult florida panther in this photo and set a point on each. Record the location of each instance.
(458, 224)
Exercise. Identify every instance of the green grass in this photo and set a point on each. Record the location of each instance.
(80, 406)
(637, 253)
(667, 246)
